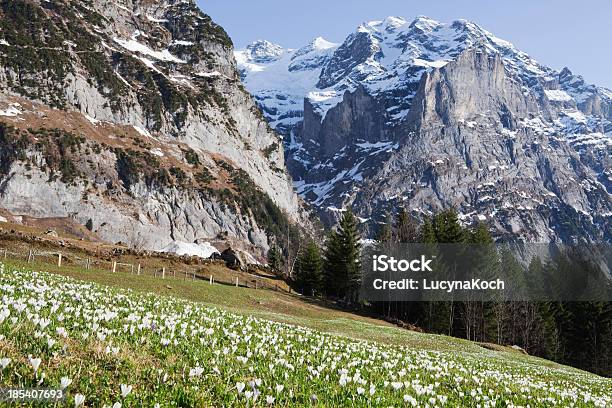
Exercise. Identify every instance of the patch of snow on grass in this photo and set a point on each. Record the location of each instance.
(135, 46)
(12, 110)
(181, 42)
(204, 250)
(157, 151)
(91, 120)
(123, 8)
(209, 74)
(157, 20)
(143, 132)
(150, 64)
(576, 115)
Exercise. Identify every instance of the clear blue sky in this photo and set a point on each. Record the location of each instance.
(577, 34)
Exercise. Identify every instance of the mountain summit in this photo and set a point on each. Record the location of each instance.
(431, 115)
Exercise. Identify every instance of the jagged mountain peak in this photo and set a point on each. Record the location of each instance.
(447, 114)
(393, 25)
(424, 23)
(394, 53)
(320, 43)
(389, 24)
(263, 51)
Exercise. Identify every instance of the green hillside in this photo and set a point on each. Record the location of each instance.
(141, 341)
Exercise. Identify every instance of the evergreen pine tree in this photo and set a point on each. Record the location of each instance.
(309, 270)
(332, 265)
(551, 343)
(342, 259)
(405, 230)
(427, 234)
(536, 278)
(481, 235)
(384, 234)
(484, 264)
(447, 228)
(351, 246)
(274, 259)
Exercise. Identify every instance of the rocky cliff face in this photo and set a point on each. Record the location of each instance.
(427, 116)
(497, 167)
(131, 114)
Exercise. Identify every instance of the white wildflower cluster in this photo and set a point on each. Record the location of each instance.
(108, 347)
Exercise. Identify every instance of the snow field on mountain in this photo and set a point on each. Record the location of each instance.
(401, 51)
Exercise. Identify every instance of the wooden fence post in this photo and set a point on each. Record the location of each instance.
(59, 259)
(164, 272)
(138, 270)
(174, 273)
(5, 251)
(236, 281)
(29, 255)
(114, 266)
(210, 279)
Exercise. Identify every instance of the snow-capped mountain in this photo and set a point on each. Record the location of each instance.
(287, 76)
(349, 114)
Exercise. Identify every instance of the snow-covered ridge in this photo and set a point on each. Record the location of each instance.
(384, 56)
(280, 78)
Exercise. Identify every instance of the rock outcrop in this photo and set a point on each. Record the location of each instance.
(131, 113)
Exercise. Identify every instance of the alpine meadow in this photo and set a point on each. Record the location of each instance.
(413, 213)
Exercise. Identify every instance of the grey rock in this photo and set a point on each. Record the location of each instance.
(166, 69)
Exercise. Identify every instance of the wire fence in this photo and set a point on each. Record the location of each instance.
(60, 259)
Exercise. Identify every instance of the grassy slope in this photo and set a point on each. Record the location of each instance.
(292, 309)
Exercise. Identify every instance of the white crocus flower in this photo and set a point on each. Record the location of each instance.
(240, 387)
(125, 390)
(79, 399)
(410, 400)
(4, 362)
(196, 372)
(65, 382)
(35, 363)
